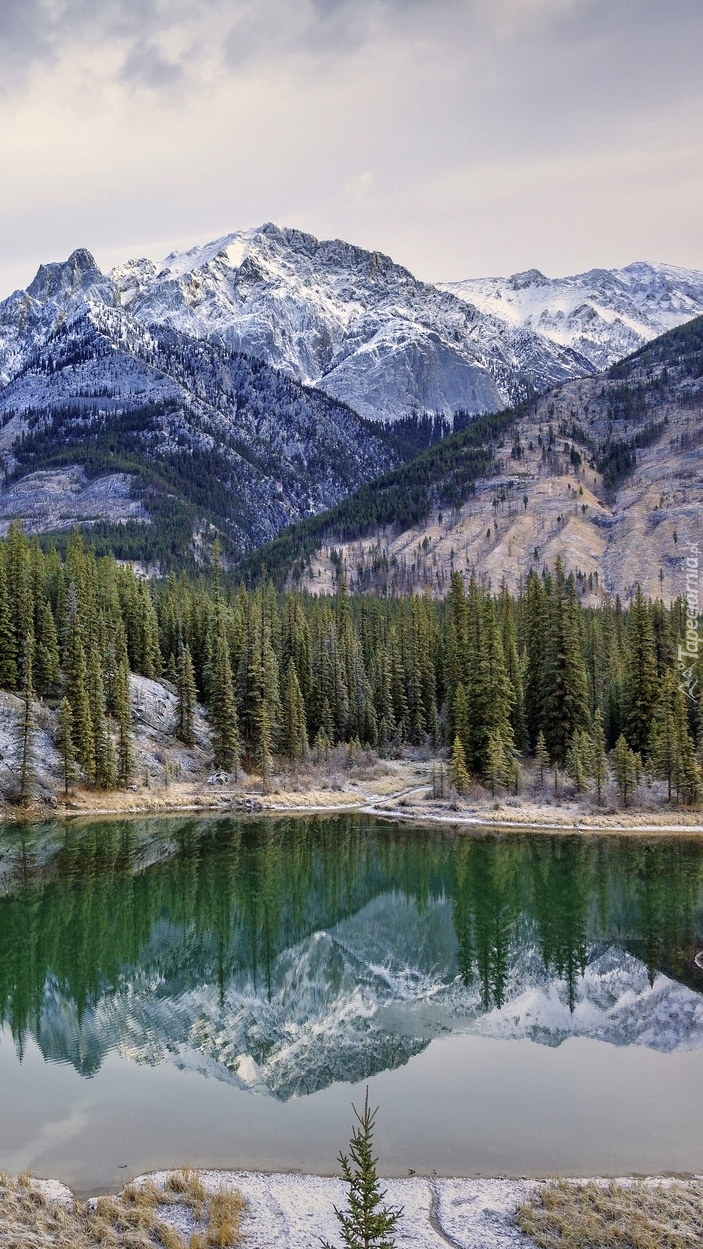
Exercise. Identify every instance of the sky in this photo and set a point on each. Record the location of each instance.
(464, 138)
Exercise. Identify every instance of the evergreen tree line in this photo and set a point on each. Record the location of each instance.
(589, 691)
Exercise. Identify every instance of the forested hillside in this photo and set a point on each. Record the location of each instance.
(605, 472)
(445, 474)
(490, 677)
(212, 440)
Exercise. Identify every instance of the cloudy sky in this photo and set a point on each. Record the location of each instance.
(463, 137)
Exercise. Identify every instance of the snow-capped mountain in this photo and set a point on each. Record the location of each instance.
(350, 321)
(603, 315)
(362, 328)
(327, 314)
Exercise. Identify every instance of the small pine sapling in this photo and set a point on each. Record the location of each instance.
(368, 1223)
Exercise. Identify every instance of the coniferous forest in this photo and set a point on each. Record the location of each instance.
(489, 680)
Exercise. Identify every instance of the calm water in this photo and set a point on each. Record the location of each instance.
(217, 991)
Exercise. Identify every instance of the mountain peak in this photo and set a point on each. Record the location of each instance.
(530, 277)
(65, 277)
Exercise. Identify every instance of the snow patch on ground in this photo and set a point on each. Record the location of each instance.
(297, 1211)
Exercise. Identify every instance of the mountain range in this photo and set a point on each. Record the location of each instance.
(602, 315)
(265, 376)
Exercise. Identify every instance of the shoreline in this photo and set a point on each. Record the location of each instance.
(566, 817)
(286, 1210)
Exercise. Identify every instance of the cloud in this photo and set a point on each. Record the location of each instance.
(149, 68)
(459, 136)
(162, 40)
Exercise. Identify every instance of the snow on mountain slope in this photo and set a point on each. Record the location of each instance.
(329, 314)
(603, 315)
(348, 321)
(229, 436)
(361, 328)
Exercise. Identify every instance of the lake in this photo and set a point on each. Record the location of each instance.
(219, 990)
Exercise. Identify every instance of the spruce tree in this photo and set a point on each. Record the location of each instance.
(76, 692)
(294, 738)
(105, 773)
(186, 697)
(641, 676)
(8, 650)
(64, 742)
(663, 740)
(321, 746)
(459, 774)
(25, 726)
(565, 687)
(224, 727)
(368, 1223)
(687, 774)
(535, 622)
(47, 665)
(462, 725)
(541, 757)
(123, 716)
(579, 759)
(264, 745)
(627, 766)
(599, 759)
(498, 770)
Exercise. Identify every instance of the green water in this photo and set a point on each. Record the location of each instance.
(216, 990)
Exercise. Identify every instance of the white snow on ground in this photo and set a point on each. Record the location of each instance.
(297, 1211)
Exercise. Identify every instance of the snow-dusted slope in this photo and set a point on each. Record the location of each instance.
(327, 314)
(362, 328)
(228, 437)
(347, 320)
(603, 315)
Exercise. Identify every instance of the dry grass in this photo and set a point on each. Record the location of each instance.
(566, 1214)
(132, 1220)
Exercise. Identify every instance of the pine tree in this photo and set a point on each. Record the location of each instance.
(368, 1223)
(25, 727)
(105, 769)
(599, 759)
(186, 697)
(541, 757)
(459, 774)
(224, 727)
(64, 742)
(123, 715)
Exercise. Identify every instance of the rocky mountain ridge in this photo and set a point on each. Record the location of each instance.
(604, 314)
(362, 328)
(205, 434)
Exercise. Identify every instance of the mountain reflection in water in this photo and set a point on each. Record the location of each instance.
(282, 956)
